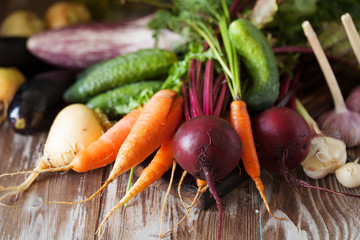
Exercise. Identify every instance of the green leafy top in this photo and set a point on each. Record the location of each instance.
(180, 68)
(201, 19)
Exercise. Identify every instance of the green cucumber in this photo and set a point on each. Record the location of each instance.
(122, 100)
(260, 62)
(132, 67)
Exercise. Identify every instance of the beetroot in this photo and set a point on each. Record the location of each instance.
(207, 144)
(282, 137)
(208, 148)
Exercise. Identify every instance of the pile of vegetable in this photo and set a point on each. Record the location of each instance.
(171, 102)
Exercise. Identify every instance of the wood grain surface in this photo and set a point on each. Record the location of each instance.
(308, 214)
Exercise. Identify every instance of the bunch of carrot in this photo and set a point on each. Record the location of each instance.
(130, 141)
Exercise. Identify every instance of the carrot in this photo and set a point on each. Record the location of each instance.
(201, 183)
(103, 151)
(160, 164)
(158, 119)
(202, 187)
(240, 120)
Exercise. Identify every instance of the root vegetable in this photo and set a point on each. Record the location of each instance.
(208, 148)
(22, 23)
(280, 132)
(63, 14)
(282, 139)
(74, 128)
(160, 164)
(157, 121)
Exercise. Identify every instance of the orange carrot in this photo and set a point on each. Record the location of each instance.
(160, 164)
(158, 119)
(240, 120)
(201, 183)
(103, 151)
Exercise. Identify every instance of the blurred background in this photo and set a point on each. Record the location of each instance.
(105, 10)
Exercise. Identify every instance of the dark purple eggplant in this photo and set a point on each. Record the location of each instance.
(38, 100)
(13, 53)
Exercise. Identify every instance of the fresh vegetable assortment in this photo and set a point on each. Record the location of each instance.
(173, 103)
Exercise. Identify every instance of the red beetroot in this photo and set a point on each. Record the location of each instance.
(282, 138)
(208, 148)
(207, 143)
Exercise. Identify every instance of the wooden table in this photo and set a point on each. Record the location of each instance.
(308, 215)
(311, 215)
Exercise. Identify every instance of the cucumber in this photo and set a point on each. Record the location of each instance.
(122, 100)
(132, 67)
(260, 61)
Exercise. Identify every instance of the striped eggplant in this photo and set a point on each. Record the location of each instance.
(78, 47)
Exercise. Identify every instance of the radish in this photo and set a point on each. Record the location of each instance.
(282, 138)
(74, 128)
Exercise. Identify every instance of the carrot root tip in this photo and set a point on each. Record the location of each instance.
(197, 196)
(260, 188)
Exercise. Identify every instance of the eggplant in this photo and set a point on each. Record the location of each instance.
(81, 46)
(37, 101)
(13, 53)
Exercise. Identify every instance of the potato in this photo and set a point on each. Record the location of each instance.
(22, 23)
(63, 14)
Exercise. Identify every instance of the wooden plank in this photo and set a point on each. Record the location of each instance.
(32, 219)
(310, 214)
(142, 217)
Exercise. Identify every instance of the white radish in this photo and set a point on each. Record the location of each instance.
(74, 128)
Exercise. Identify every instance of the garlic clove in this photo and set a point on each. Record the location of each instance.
(349, 175)
(326, 154)
(314, 168)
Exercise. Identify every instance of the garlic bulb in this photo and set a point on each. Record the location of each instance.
(326, 154)
(349, 175)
